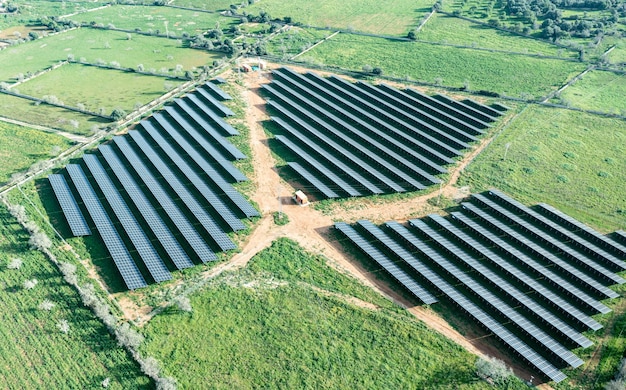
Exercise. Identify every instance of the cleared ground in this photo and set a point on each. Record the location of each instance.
(570, 160)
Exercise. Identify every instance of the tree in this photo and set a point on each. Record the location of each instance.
(30, 284)
(117, 114)
(150, 367)
(127, 336)
(40, 240)
(105, 383)
(377, 71)
(46, 305)
(184, 303)
(18, 212)
(33, 35)
(412, 35)
(495, 369)
(167, 383)
(63, 326)
(14, 263)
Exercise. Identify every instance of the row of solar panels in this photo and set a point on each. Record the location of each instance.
(357, 139)
(533, 277)
(165, 188)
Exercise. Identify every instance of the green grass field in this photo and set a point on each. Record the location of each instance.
(512, 75)
(20, 147)
(295, 40)
(49, 116)
(147, 18)
(446, 29)
(30, 10)
(599, 91)
(34, 353)
(618, 55)
(211, 5)
(68, 84)
(570, 160)
(394, 18)
(269, 326)
(154, 53)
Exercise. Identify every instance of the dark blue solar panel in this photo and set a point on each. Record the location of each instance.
(315, 182)
(112, 240)
(70, 208)
(211, 103)
(133, 229)
(217, 91)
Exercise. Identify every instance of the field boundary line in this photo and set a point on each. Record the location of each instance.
(318, 43)
(426, 19)
(572, 81)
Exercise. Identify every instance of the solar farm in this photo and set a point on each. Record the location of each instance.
(162, 194)
(357, 139)
(531, 277)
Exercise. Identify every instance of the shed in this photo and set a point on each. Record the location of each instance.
(301, 198)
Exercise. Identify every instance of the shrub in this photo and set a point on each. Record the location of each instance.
(15, 263)
(30, 284)
(63, 326)
(46, 305)
(492, 368)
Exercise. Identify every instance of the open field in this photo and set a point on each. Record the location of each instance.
(30, 10)
(213, 5)
(20, 147)
(274, 324)
(598, 91)
(512, 75)
(67, 84)
(93, 45)
(148, 18)
(570, 160)
(394, 18)
(618, 55)
(295, 40)
(49, 116)
(34, 352)
(446, 29)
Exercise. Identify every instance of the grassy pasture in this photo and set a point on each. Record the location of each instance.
(107, 88)
(154, 53)
(599, 91)
(570, 160)
(211, 5)
(267, 326)
(33, 351)
(31, 10)
(154, 18)
(501, 73)
(20, 147)
(392, 18)
(447, 29)
(618, 55)
(49, 116)
(295, 40)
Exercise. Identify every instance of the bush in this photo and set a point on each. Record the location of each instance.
(15, 263)
(280, 219)
(491, 368)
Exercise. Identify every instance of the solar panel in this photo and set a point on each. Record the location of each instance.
(481, 316)
(464, 131)
(409, 144)
(596, 252)
(523, 324)
(133, 229)
(217, 91)
(452, 111)
(216, 137)
(546, 273)
(581, 229)
(216, 233)
(481, 107)
(546, 238)
(315, 182)
(212, 102)
(70, 208)
(363, 98)
(112, 240)
(573, 272)
(218, 120)
(319, 167)
(207, 192)
(544, 315)
(235, 197)
(327, 142)
(149, 214)
(306, 86)
(379, 257)
(181, 222)
(334, 122)
(465, 108)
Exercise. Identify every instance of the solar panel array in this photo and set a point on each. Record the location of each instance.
(374, 139)
(532, 277)
(161, 197)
